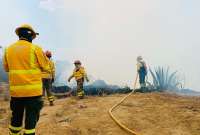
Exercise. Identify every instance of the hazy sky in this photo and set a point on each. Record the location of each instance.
(108, 35)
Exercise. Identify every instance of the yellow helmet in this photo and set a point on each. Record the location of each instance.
(26, 26)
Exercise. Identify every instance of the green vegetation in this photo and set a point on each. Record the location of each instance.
(163, 79)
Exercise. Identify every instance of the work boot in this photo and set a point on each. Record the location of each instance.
(51, 103)
(51, 99)
(15, 133)
(81, 97)
(81, 94)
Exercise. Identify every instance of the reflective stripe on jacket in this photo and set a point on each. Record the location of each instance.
(79, 73)
(24, 61)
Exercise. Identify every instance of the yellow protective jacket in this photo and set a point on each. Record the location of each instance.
(79, 73)
(50, 75)
(24, 62)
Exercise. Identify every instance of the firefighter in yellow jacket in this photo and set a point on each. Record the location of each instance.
(24, 62)
(48, 79)
(80, 75)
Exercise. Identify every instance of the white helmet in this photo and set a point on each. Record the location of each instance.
(139, 58)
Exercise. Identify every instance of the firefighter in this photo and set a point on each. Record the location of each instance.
(24, 62)
(48, 79)
(80, 75)
(142, 71)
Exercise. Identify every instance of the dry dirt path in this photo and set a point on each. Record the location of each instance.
(149, 114)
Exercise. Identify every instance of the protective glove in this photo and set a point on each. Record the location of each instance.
(69, 80)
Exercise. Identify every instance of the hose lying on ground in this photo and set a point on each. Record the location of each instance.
(116, 105)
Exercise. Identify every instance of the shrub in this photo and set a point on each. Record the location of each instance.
(163, 79)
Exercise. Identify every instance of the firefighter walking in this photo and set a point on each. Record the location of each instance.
(80, 75)
(142, 71)
(48, 79)
(24, 61)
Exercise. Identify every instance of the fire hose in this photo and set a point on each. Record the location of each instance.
(116, 105)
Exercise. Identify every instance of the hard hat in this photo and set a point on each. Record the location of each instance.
(26, 26)
(48, 54)
(139, 58)
(77, 62)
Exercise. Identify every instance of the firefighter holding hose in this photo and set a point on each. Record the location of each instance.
(142, 72)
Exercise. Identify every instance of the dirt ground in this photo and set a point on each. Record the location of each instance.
(147, 114)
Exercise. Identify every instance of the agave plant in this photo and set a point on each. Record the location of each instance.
(163, 79)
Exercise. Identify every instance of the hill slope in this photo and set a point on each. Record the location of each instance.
(148, 114)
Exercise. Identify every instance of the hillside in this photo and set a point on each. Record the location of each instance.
(148, 114)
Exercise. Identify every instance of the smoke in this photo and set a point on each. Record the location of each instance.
(50, 5)
(107, 35)
(62, 73)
